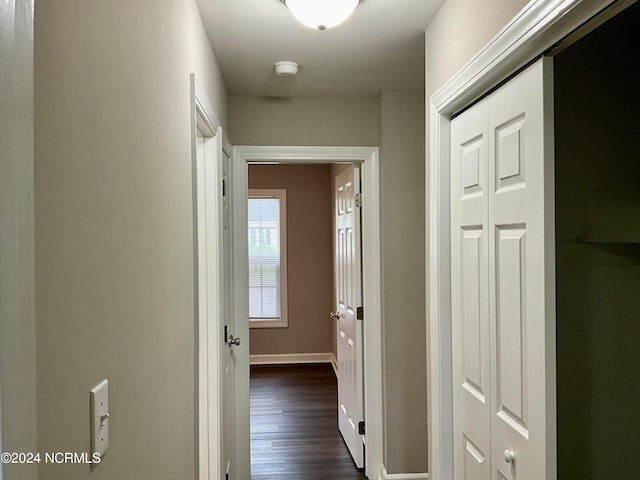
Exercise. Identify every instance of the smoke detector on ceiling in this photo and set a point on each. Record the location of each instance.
(287, 68)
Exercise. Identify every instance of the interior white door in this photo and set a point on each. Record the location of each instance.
(522, 276)
(515, 126)
(470, 294)
(227, 328)
(216, 373)
(348, 274)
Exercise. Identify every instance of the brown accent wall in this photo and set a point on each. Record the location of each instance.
(309, 260)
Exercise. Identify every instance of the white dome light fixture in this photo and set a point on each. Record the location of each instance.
(321, 14)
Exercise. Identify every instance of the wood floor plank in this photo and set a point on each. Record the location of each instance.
(294, 425)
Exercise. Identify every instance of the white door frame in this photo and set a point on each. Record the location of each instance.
(371, 264)
(207, 379)
(539, 26)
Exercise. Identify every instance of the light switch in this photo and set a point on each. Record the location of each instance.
(100, 418)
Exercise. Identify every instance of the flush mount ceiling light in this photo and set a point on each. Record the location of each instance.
(321, 14)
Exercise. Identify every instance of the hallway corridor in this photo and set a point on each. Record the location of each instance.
(294, 426)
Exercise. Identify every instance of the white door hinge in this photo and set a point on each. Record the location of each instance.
(358, 200)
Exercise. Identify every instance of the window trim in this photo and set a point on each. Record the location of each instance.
(281, 195)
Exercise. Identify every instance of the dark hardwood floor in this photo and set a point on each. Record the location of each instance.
(294, 425)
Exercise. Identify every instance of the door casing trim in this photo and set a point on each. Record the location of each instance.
(368, 157)
(207, 420)
(533, 31)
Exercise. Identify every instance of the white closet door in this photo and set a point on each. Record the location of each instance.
(522, 276)
(503, 283)
(470, 295)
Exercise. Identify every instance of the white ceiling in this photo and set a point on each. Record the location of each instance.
(380, 47)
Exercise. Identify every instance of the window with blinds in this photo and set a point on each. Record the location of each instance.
(267, 258)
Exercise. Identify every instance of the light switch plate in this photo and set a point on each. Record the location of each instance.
(100, 418)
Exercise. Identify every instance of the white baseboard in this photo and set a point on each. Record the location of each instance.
(334, 364)
(292, 358)
(403, 476)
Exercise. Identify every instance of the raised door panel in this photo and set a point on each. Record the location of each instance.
(473, 350)
(476, 465)
(511, 332)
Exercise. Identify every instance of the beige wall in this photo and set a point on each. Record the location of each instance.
(17, 289)
(114, 229)
(304, 121)
(402, 219)
(459, 30)
(309, 259)
(597, 195)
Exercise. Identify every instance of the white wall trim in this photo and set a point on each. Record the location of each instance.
(207, 419)
(290, 358)
(403, 476)
(201, 102)
(372, 281)
(334, 364)
(540, 25)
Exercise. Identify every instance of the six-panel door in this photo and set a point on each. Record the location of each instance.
(349, 298)
(503, 283)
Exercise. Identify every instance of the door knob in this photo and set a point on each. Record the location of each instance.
(334, 315)
(509, 456)
(233, 341)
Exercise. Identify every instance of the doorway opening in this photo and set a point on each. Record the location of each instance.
(299, 332)
(304, 292)
(598, 250)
